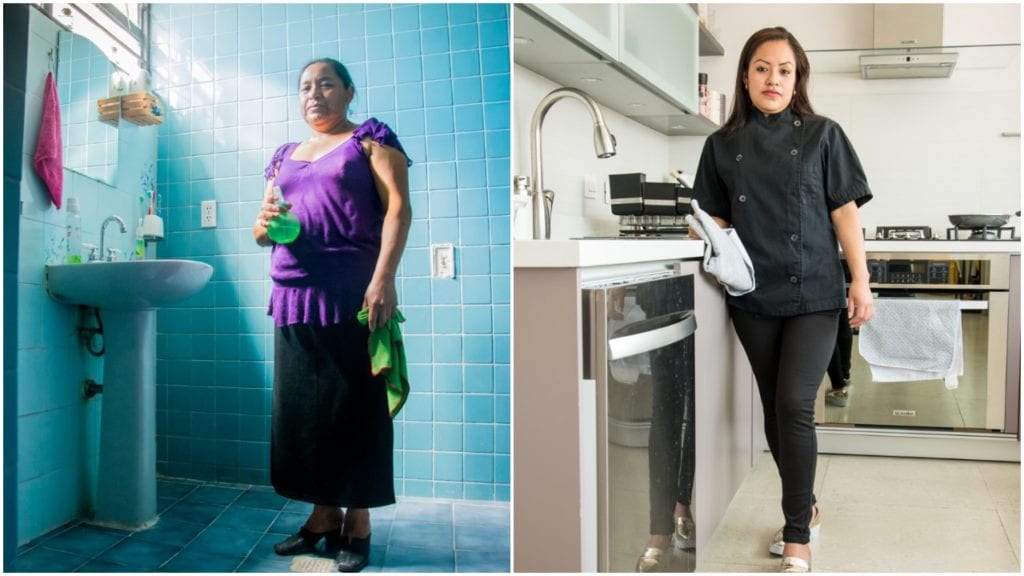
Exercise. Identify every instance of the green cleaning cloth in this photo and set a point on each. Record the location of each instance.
(387, 355)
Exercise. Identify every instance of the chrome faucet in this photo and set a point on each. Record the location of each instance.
(103, 230)
(604, 147)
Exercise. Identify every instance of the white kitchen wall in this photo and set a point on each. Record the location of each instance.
(569, 158)
(930, 147)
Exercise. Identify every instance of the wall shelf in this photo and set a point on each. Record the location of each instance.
(109, 110)
(140, 108)
(708, 44)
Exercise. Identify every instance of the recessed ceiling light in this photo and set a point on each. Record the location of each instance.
(522, 40)
(678, 126)
(590, 79)
(634, 105)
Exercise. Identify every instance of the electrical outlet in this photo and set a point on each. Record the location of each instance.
(208, 214)
(442, 260)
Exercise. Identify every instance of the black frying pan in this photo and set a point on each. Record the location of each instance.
(978, 220)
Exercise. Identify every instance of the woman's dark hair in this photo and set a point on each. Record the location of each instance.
(741, 103)
(339, 69)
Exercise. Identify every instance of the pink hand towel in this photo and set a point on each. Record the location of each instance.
(48, 161)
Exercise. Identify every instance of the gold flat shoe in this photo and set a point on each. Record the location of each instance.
(685, 536)
(651, 560)
(794, 564)
(776, 545)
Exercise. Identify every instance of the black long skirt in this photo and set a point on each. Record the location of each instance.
(331, 436)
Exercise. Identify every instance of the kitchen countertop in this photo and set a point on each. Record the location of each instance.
(611, 251)
(602, 252)
(944, 246)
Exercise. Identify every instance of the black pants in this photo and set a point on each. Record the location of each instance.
(789, 356)
(839, 366)
(671, 448)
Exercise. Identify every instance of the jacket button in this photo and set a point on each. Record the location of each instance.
(739, 157)
(796, 123)
(794, 152)
(742, 198)
(793, 280)
(794, 237)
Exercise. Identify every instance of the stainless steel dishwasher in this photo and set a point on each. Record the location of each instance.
(639, 349)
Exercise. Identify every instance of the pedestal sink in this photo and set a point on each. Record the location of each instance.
(127, 294)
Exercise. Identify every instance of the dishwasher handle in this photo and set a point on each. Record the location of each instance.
(682, 326)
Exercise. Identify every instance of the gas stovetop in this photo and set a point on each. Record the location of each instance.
(954, 233)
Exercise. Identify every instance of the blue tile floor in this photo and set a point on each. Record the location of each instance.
(229, 528)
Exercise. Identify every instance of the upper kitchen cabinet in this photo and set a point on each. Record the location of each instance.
(639, 60)
(596, 25)
(660, 43)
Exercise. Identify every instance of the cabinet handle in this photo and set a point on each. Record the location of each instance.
(633, 344)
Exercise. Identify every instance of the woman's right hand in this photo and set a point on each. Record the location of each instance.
(269, 210)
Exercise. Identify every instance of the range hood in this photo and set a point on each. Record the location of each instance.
(904, 37)
(908, 65)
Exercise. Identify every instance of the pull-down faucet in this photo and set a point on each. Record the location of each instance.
(103, 230)
(604, 147)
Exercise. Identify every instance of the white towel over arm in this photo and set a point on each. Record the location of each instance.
(725, 257)
(914, 339)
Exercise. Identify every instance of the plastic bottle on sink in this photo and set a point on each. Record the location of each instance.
(73, 233)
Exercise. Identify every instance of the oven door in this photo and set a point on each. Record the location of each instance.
(976, 405)
(640, 353)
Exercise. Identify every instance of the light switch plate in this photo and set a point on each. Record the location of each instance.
(591, 187)
(442, 260)
(208, 214)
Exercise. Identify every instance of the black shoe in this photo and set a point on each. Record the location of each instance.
(354, 554)
(305, 542)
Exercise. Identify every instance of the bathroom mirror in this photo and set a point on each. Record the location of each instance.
(83, 76)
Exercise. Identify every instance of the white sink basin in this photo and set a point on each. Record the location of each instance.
(127, 295)
(128, 285)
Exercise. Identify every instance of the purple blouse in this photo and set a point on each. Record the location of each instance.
(321, 277)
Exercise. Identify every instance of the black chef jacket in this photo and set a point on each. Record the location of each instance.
(776, 181)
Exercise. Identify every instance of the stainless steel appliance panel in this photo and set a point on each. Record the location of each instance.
(980, 282)
(641, 354)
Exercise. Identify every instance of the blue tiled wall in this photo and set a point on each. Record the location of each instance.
(439, 75)
(58, 430)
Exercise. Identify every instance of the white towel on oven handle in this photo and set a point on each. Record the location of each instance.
(914, 339)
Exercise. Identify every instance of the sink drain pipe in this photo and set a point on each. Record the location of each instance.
(91, 388)
(88, 333)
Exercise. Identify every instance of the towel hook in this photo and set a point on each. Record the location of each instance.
(49, 56)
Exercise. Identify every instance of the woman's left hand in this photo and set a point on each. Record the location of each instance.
(381, 300)
(860, 304)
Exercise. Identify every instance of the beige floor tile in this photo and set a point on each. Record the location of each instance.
(1011, 523)
(1003, 482)
(744, 533)
(918, 482)
(763, 480)
(885, 538)
(884, 515)
(767, 565)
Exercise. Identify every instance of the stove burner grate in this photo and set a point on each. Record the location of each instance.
(903, 233)
(983, 233)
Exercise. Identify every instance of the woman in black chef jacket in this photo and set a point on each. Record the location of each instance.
(790, 183)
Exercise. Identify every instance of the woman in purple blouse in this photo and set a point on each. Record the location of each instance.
(331, 433)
